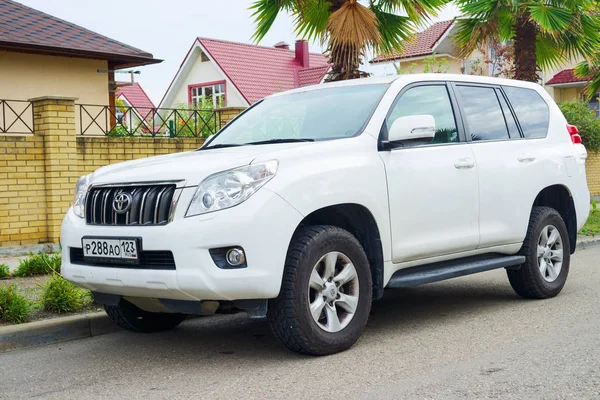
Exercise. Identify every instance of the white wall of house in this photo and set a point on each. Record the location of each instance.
(198, 72)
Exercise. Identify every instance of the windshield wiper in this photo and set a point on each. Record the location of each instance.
(291, 140)
(221, 146)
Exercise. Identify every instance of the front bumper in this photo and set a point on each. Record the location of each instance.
(263, 225)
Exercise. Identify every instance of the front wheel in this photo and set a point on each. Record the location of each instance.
(547, 256)
(326, 293)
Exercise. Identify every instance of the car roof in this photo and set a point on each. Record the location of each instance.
(410, 78)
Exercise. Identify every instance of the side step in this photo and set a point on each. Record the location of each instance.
(440, 271)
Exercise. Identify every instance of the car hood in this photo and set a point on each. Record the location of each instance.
(192, 166)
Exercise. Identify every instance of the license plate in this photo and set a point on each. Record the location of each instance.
(110, 249)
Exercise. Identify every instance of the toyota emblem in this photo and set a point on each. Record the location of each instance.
(122, 203)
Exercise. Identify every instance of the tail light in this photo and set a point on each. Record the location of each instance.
(574, 132)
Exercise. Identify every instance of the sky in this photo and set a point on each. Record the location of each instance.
(167, 29)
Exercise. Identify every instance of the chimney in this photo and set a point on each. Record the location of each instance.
(282, 45)
(302, 53)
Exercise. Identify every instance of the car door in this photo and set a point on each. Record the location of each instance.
(506, 189)
(432, 187)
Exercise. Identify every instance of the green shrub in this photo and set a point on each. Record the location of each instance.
(62, 296)
(14, 307)
(578, 114)
(39, 264)
(4, 271)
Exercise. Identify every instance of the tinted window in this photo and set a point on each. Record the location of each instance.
(532, 111)
(484, 115)
(432, 100)
(513, 130)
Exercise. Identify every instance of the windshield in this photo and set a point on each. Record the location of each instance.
(321, 114)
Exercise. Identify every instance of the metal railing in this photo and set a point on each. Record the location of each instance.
(125, 121)
(16, 116)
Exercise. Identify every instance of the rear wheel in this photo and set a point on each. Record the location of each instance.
(133, 318)
(326, 293)
(547, 256)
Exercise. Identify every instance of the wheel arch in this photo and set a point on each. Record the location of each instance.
(359, 221)
(559, 198)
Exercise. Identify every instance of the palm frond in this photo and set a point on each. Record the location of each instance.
(549, 18)
(586, 69)
(417, 10)
(394, 30)
(311, 19)
(352, 29)
(265, 12)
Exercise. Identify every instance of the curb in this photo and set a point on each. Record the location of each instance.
(55, 330)
(587, 243)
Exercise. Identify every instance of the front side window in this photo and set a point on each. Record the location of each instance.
(321, 114)
(428, 100)
(483, 113)
(532, 111)
(203, 96)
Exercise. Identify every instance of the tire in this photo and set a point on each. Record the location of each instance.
(312, 249)
(529, 281)
(134, 319)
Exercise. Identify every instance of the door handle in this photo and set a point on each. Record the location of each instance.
(526, 158)
(464, 163)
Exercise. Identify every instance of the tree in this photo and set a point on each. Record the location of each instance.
(545, 33)
(348, 27)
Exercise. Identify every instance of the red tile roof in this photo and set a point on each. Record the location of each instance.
(312, 76)
(258, 71)
(566, 76)
(136, 96)
(27, 29)
(421, 45)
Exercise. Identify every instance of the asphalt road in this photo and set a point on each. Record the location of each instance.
(466, 338)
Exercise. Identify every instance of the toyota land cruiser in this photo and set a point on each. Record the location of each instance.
(311, 202)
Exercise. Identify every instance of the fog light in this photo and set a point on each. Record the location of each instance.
(235, 256)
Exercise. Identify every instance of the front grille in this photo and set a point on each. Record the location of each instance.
(149, 205)
(155, 259)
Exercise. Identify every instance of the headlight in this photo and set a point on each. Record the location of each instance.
(80, 193)
(230, 188)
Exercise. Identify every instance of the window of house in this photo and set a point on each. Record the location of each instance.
(484, 115)
(204, 95)
(593, 103)
(531, 110)
(432, 100)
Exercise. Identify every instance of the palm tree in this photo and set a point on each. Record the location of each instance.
(348, 26)
(545, 33)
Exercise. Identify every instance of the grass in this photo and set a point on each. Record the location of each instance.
(14, 307)
(592, 225)
(61, 296)
(4, 271)
(39, 264)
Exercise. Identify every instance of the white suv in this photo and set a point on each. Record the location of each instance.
(310, 203)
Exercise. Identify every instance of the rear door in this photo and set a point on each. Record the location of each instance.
(510, 166)
(432, 188)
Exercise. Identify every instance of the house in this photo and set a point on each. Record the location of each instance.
(568, 87)
(41, 55)
(436, 43)
(133, 105)
(435, 40)
(237, 74)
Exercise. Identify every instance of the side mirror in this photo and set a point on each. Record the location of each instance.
(413, 129)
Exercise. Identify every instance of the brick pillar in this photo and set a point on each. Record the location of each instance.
(226, 114)
(54, 120)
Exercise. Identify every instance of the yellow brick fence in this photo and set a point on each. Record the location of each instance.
(38, 172)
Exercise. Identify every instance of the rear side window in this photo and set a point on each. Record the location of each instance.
(532, 111)
(484, 115)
